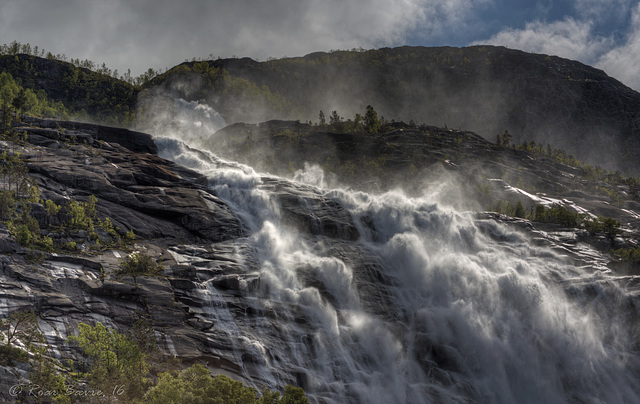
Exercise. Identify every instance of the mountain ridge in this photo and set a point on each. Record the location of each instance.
(483, 89)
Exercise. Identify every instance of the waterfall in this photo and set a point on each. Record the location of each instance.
(428, 305)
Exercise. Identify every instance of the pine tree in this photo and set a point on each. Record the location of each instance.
(371, 122)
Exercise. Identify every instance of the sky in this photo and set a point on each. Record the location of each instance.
(159, 34)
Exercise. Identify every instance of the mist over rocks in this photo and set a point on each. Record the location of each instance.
(483, 89)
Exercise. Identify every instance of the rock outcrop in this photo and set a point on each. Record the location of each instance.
(209, 264)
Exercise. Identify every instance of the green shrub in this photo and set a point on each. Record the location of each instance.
(557, 214)
(9, 355)
(107, 225)
(90, 207)
(629, 255)
(196, 385)
(78, 218)
(45, 244)
(71, 246)
(130, 236)
(24, 235)
(19, 326)
(7, 204)
(520, 210)
(140, 264)
(117, 365)
(51, 207)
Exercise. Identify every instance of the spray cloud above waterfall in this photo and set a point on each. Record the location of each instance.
(191, 120)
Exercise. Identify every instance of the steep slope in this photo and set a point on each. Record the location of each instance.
(414, 158)
(483, 89)
(94, 96)
(356, 297)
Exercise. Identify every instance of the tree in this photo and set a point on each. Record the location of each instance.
(19, 102)
(20, 325)
(31, 103)
(8, 91)
(506, 138)
(357, 122)
(140, 264)
(78, 218)
(90, 207)
(196, 385)
(321, 119)
(371, 122)
(44, 378)
(24, 237)
(611, 226)
(118, 366)
(520, 210)
(334, 119)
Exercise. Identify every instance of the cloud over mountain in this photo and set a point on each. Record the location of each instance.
(162, 33)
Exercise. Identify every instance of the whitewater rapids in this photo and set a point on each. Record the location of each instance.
(464, 308)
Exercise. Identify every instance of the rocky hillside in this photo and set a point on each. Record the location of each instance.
(415, 157)
(483, 89)
(90, 95)
(210, 304)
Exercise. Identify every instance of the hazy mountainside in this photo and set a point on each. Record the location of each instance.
(88, 94)
(482, 89)
(425, 157)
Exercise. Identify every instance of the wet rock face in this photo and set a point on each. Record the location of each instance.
(211, 273)
(234, 299)
(138, 191)
(312, 212)
(56, 130)
(162, 203)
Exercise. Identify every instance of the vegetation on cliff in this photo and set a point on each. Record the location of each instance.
(119, 367)
(483, 89)
(75, 89)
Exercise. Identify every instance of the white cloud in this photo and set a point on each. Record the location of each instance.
(569, 38)
(576, 39)
(163, 33)
(622, 62)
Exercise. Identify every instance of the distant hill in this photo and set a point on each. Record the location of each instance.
(88, 94)
(483, 89)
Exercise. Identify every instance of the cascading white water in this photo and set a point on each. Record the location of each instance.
(470, 311)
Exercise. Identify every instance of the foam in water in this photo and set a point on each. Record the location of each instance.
(473, 311)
